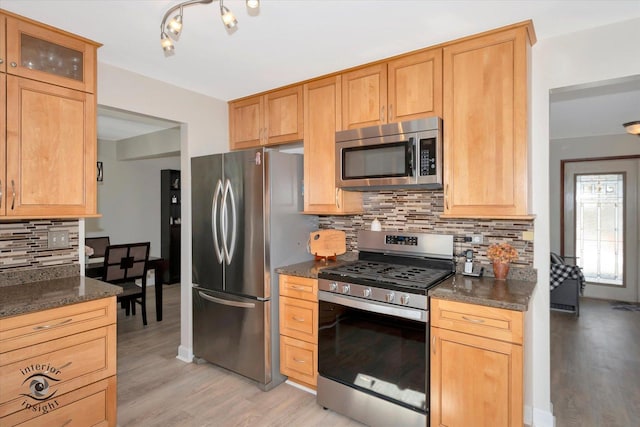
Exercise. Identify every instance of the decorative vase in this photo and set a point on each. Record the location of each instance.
(500, 270)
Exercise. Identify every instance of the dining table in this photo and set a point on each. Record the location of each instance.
(94, 268)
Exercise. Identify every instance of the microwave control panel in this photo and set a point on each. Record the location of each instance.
(427, 155)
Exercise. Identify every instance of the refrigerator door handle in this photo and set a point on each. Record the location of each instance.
(234, 222)
(225, 223)
(214, 220)
(226, 302)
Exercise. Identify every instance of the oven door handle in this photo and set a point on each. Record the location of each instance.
(375, 307)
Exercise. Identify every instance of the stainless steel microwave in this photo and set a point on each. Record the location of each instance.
(403, 155)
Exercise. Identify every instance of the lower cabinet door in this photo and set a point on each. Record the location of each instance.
(299, 361)
(93, 405)
(475, 381)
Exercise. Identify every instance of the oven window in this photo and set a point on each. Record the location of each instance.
(378, 354)
(375, 161)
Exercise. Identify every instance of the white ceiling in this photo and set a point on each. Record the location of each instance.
(293, 40)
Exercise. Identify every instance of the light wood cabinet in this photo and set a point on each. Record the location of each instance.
(57, 364)
(405, 88)
(50, 150)
(48, 140)
(40, 52)
(476, 364)
(485, 119)
(3, 52)
(273, 118)
(299, 329)
(322, 118)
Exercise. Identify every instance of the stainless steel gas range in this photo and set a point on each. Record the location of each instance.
(373, 337)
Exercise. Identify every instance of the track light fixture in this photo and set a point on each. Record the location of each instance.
(171, 31)
(633, 127)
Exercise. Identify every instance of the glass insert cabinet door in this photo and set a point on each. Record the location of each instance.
(49, 55)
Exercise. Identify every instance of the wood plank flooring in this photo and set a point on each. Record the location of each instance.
(595, 366)
(595, 376)
(156, 389)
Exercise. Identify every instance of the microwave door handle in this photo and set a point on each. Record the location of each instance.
(411, 148)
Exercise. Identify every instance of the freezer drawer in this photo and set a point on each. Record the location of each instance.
(230, 331)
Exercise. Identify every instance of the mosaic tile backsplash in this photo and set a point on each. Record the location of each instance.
(24, 245)
(419, 211)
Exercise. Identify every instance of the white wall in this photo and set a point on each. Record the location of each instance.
(581, 148)
(129, 198)
(204, 130)
(600, 53)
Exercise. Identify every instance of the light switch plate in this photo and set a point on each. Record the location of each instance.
(58, 239)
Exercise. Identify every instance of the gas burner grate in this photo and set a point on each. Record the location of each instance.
(397, 274)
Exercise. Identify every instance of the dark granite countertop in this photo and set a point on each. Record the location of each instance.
(35, 296)
(508, 294)
(310, 268)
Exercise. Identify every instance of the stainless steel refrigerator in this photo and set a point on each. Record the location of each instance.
(246, 222)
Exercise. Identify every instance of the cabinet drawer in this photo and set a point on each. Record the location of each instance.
(93, 405)
(490, 322)
(28, 329)
(299, 319)
(299, 361)
(59, 366)
(299, 287)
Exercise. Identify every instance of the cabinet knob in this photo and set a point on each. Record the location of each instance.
(1, 61)
(13, 64)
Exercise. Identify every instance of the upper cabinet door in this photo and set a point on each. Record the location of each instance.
(322, 119)
(49, 55)
(415, 86)
(3, 127)
(3, 51)
(284, 115)
(485, 119)
(51, 150)
(364, 97)
(246, 122)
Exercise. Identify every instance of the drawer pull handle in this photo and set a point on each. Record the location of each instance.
(66, 423)
(297, 288)
(299, 360)
(468, 319)
(41, 327)
(298, 319)
(60, 367)
(433, 344)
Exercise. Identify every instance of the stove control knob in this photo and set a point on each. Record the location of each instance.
(404, 299)
(390, 297)
(333, 286)
(366, 292)
(346, 289)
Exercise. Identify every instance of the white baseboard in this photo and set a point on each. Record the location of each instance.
(543, 418)
(185, 354)
(301, 387)
(528, 415)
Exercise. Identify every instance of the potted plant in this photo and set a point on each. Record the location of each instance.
(501, 254)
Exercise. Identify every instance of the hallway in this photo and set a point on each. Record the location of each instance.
(595, 366)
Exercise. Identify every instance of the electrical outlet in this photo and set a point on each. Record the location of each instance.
(58, 239)
(527, 236)
(476, 239)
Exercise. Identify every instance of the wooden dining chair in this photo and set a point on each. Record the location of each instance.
(99, 245)
(123, 264)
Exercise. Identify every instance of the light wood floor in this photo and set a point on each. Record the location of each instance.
(595, 366)
(156, 389)
(595, 376)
